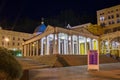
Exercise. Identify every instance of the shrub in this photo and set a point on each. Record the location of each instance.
(9, 65)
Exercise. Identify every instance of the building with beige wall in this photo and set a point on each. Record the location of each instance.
(12, 40)
(108, 16)
(109, 19)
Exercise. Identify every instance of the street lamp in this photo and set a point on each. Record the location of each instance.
(6, 40)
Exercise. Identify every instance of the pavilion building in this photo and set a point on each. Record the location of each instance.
(63, 41)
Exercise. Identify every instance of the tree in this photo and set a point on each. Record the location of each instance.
(10, 69)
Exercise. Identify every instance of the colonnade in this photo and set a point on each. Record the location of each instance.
(108, 46)
(60, 43)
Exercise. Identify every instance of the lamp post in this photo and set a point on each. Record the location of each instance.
(6, 41)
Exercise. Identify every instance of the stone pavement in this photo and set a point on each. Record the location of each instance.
(109, 71)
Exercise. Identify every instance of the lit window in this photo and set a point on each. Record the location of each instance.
(102, 18)
(118, 20)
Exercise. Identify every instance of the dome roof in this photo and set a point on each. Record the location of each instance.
(40, 29)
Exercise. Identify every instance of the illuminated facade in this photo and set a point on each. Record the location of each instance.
(77, 40)
(55, 40)
(108, 16)
(109, 19)
(11, 39)
(110, 40)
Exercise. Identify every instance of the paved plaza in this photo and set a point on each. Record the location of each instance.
(109, 71)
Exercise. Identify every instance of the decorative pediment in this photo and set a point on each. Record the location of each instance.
(82, 30)
(49, 27)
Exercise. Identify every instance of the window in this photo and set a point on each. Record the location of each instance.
(18, 44)
(101, 13)
(115, 29)
(102, 24)
(113, 22)
(18, 39)
(112, 16)
(109, 22)
(116, 9)
(13, 43)
(109, 17)
(118, 20)
(102, 18)
(2, 43)
(8, 43)
(13, 38)
(3, 37)
(117, 15)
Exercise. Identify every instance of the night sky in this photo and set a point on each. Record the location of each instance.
(13, 10)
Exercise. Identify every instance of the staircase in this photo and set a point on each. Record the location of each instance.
(28, 63)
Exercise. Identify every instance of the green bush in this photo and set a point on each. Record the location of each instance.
(9, 65)
(15, 53)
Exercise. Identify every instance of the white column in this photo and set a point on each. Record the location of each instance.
(45, 45)
(64, 46)
(39, 47)
(42, 46)
(48, 45)
(77, 45)
(67, 44)
(101, 46)
(97, 44)
(54, 45)
(33, 49)
(108, 46)
(58, 44)
(36, 48)
(91, 44)
(72, 44)
(30, 49)
(24, 50)
(85, 45)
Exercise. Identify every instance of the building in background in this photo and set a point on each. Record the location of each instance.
(109, 20)
(12, 40)
(108, 16)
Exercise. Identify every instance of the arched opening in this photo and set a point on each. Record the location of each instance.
(115, 46)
